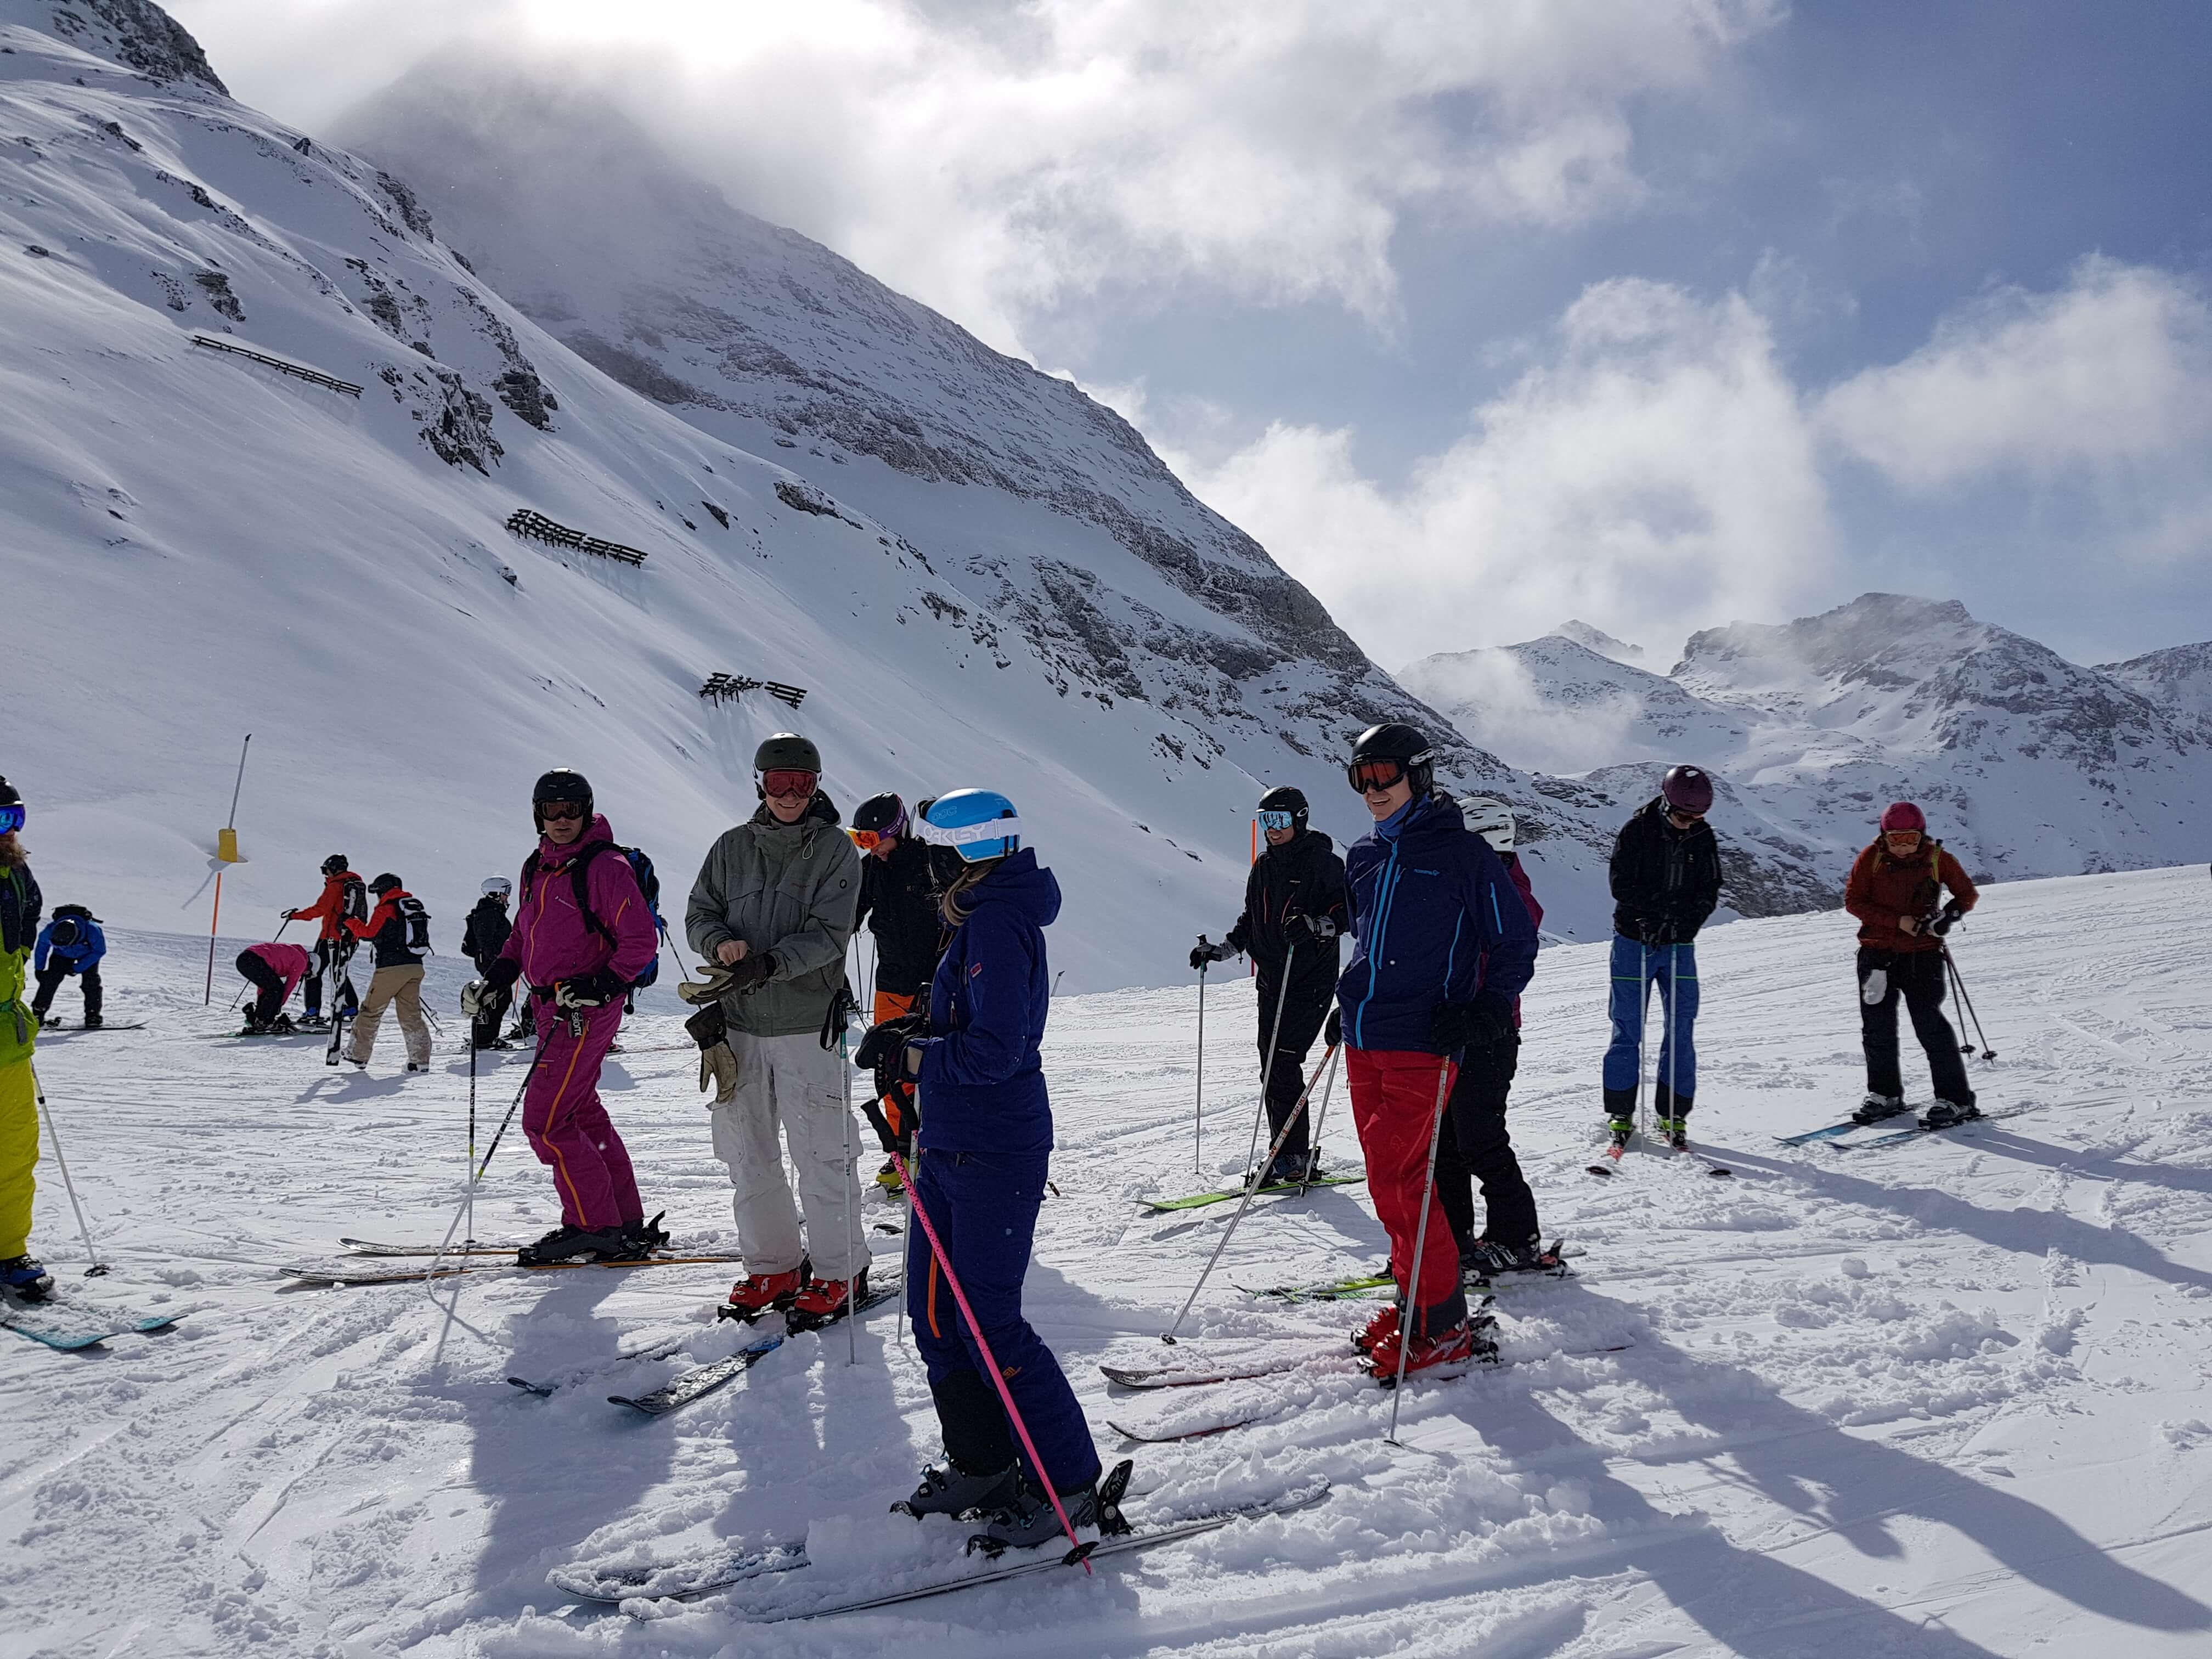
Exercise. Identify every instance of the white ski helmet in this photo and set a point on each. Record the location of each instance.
(498, 887)
(1490, 819)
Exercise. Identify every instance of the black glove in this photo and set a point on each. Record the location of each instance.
(1657, 930)
(1332, 1028)
(882, 1044)
(1481, 1023)
(1321, 927)
(1945, 918)
(589, 990)
(707, 1026)
(750, 973)
(502, 973)
(1203, 953)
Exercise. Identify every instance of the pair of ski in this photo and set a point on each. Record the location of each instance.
(1609, 1163)
(1912, 1131)
(1552, 1264)
(1283, 1189)
(60, 1321)
(478, 1259)
(687, 1581)
(703, 1380)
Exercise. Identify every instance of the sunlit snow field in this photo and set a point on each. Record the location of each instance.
(1946, 1398)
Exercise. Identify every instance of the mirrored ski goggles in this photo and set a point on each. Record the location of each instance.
(967, 835)
(868, 840)
(788, 781)
(1272, 819)
(1375, 774)
(560, 811)
(11, 818)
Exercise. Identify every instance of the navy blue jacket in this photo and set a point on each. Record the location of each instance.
(80, 957)
(983, 1082)
(1438, 918)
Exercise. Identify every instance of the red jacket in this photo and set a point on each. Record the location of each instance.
(1882, 888)
(389, 929)
(331, 907)
(1512, 863)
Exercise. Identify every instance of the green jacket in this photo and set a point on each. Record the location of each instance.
(793, 891)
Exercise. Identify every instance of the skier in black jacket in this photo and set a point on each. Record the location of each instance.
(898, 902)
(483, 937)
(1666, 882)
(1295, 909)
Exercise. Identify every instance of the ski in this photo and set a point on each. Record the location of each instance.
(1552, 1264)
(1919, 1128)
(703, 1380)
(68, 1324)
(371, 1247)
(351, 1270)
(664, 1349)
(1830, 1133)
(1199, 1200)
(1490, 1361)
(686, 1582)
(59, 1028)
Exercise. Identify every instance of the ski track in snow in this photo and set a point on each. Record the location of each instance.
(1947, 1398)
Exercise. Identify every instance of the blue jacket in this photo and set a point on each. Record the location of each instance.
(983, 1082)
(1436, 919)
(80, 957)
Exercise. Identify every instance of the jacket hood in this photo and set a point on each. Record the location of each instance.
(548, 854)
(1022, 882)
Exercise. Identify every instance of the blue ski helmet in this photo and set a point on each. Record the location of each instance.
(977, 823)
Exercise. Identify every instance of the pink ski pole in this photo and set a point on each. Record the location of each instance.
(1005, 1394)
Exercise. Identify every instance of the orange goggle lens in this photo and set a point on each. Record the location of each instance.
(1375, 774)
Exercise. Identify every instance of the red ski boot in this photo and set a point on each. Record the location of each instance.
(1383, 1327)
(1454, 1346)
(758, 1293)
(824, 1301)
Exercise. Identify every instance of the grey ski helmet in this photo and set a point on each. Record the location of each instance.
(498, 887)
(1490, 818)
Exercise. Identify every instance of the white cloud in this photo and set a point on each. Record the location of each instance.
(992, 158)
(1655, 470)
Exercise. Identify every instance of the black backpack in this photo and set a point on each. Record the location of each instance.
(648, 883)
(354, 899)
(418, 923)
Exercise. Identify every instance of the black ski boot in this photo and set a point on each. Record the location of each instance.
(1093, 1511)
(573, 1244)
(946, 1489)
(26, 1278)
(1675, 1131)
(1944, 1114)
(1876, 1108)
(641, 1238)
(1486, 1258)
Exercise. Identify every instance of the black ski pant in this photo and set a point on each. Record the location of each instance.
(50, 981)
(1474, 1146)
(268, 982)
(1304, 1008)
(1919, 976)
(483, 1030)
(330, 959)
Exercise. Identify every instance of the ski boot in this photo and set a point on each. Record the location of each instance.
(418, 1065)
(1944, 1114)
(1460, 1345)
(94, 1022)
(759, 1293)
(566, 1243)
(1381, 1329)
(824, 1301)
(1675, 1131)
(640, 1239)
(1486, 1258)
(887, 1176)
(947, 1489)
(1094, 1512)
(1874, 1108)
(26, 1278)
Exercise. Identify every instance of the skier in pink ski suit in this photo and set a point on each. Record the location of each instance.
(577, 966)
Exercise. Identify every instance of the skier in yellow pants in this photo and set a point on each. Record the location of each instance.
(21, 1275)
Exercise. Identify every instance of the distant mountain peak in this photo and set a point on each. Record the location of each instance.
(136, 33)
(1597, 640)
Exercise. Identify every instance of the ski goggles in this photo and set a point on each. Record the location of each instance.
(868, 840)
(1272, 819)
(1375, 774)
(967, 835)
(560, 811)
(787, 782)
(11, 818)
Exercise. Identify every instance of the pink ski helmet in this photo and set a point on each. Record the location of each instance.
(1903, 815)
(1687, 789)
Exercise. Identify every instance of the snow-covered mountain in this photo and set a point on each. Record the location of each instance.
(2028, 764)
(206, 544)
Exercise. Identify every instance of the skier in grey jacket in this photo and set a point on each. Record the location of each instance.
(774, 905)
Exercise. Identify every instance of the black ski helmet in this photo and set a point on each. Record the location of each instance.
(559, 784)
(1687, 789)
(11, 808)
(336, 865)
(885, 814)
(787, 750)
(1283, 798)
(384, 883)
(64, 932)
(1395, 740)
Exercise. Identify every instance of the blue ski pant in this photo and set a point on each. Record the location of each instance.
(984, 1207)
(1637, 968)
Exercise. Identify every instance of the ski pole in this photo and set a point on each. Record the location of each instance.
(982, 1346)
(1643, 1031)
(1313, 1141)
(1409, 1309)
(1251, 1187)
(54, 1134)
(906, 1180)
(469, 1236)
(1198, 1123)
(1274, 1034)
(840, 1015)
(468, 1201)
(1673, 1056)
(1968, 1003)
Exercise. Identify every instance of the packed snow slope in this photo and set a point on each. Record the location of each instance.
(197, 545)
(1945, 1398)
(2027, 765)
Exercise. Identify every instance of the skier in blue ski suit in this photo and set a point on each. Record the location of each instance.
(70, 943)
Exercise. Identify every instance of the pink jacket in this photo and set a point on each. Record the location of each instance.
(553, 940)
(288, 960)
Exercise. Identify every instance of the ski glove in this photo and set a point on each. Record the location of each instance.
(1481, 1023)
(474, 995)
(1332, 1028)
(1321, 927)
(748, 973)
(718, 1062)
(1203, 953)
(588, 990)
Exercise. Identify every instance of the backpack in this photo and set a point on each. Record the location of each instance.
(418, 923)
(648, 883)
(353, 901)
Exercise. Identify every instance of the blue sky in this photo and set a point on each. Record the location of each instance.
(1482, 315)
